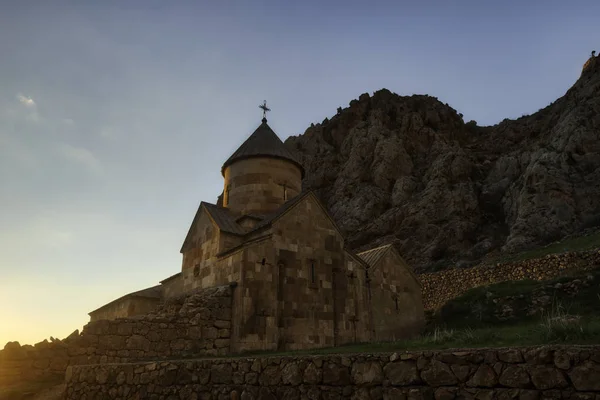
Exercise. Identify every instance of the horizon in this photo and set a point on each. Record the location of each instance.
(115, 119)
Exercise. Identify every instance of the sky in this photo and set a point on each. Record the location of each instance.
(116, 116)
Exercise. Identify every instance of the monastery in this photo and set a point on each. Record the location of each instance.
(296, 284)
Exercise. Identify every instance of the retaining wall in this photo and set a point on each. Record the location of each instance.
(197, 324)
(529, 374)
(442, 286)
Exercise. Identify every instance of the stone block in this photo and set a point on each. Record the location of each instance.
(586, 377)
(485, 376)
(514, 376)
(547, 377)
(438, 374)
(403, 373)
(367, 373)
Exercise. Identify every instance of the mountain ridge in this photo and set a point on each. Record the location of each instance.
(410, 170)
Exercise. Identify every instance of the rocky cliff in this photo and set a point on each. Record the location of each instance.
(410, 170)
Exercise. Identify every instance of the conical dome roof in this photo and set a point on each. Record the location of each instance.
(262, 143)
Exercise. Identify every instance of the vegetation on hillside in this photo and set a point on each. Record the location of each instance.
(478, 308)
(578, 243)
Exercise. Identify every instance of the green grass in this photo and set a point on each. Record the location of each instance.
(475, 308)
(554, 329)
(581, 243)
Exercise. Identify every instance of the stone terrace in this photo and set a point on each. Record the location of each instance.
(571, 372)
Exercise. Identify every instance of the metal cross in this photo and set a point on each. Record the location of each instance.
(264, 107)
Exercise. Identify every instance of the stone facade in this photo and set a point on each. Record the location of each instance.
(296, 285)
(528, 373)
(396, 301)
(136, 303)
(296, 291)
(440, 287)
(260, 185)
(126, 308)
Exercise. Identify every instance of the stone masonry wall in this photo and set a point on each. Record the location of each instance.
(194, 325)
(396, 299)
(440, 287)
(128, 307)
(256, 185)
(46, 361)
(526, 374)
(189, 325)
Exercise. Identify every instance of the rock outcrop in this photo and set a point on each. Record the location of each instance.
(411, 171)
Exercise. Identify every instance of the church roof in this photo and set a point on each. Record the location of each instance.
(221, 216)
(225, 220)
(154, 292)
(269, 218)
(262, 143)
(372, 256)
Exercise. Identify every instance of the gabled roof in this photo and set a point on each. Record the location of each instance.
(225, 220)
(220, 216)
(177, 275)
(250, 216)
(154, 292)
(372, 256)
(262, 143)
(269, 219)
(228, 222)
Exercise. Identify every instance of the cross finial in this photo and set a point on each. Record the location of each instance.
(264, 107)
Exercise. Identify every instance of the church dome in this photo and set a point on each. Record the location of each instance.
(262, 143)
(261, 175)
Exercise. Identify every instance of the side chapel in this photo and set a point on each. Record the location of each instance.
(296, 284)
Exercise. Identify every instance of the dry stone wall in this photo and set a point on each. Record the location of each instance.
(194, 325)
(191, 325)
(46, 361)
(527, 374)
(440, 287)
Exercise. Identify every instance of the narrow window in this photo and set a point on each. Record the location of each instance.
(285, 197)
(226, 196)
(396, 301)
(313, 276)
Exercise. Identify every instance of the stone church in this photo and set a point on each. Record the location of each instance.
(296, 284)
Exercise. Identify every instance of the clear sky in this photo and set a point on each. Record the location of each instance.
(115, 116)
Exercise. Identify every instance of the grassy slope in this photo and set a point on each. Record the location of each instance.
(580, 243)
(475, 308)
